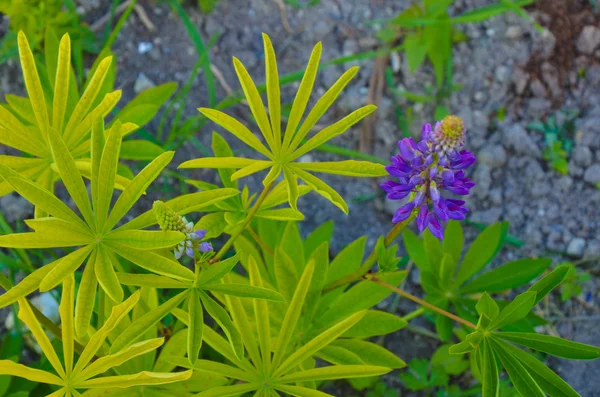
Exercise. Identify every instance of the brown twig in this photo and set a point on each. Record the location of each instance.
(284, 18)
(96, 26)
(421, 302)
(376, 85)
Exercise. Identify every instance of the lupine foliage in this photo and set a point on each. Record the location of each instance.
(281, 325)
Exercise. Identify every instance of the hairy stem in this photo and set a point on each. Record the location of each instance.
(413, 314)
(234, 236)
(421, 302)
(371, 259)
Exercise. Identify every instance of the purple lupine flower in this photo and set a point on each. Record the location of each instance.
(205, 247)
(426, 169)
(191, 240)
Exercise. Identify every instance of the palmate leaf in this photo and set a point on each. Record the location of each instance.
(64, 228)
(281, 368)
(195, 291)
(284, 151)
(84, 374)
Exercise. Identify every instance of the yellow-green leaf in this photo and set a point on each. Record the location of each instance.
(261, 315)
(196, 316)
(256, 166)
(219, 162)
(322, 105)
(322, 188)
(138, 149)
(303, 95)
(107, 278)
(29, 284)
(67, 313)
(145, 239)
(334, 130)
(70, 175)
(66, 267)
(236, 128)
(299, 391)
(292, 187)
(221, 316)
(152, 261)
(255, 103)
(26, 315)
(347, 168)
(334, 372)
(33, 84)
(151, 280)
(273, 95)
(136, 188)
(11, 368)
(230, 391)
(86, 297)
(107, 172)
(292, 314)
(61, 87)
(139, 379)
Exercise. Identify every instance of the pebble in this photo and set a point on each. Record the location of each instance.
(592, 174)
(576, 247)
(513, 32)
(142, 83)
(502, 73)
(144, 47)
(483, 180)
(582, 155)
(516, 138)
(494, 156)
(589, 39)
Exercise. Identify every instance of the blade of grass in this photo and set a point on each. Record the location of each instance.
(111, 16)
(120, 23)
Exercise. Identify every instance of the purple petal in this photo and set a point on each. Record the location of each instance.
(435, 227)
(419, 197)
(434, 191)
(403, 212)
(448, 177)
(189, 252)
(407, 149)
(422, 218)
(426, 131)
(206, 247)
(200, 234)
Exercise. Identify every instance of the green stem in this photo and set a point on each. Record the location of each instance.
(371, 259)
(421, 302)
(413, 314)
(234, 236)
(260, 242)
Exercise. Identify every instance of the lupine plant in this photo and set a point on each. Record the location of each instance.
(150, 305)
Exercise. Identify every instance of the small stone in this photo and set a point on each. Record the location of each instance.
(142, 83)
(593, 249)
(551, 78)
(494, 156)
(564, 183)
(513, 32)
(589, 39)
(483, 180)
(15, 208)
(582, 155)
(488, 217)
(480, 96)
(154, 54)
(496, 196)
(520, 79)
(516, 138)
(538, 89)
(576, 247)
(502, 73)
(395, 61)
(546, 44)
(592, 174)
(144, 47)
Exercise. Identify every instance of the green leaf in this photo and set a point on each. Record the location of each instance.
(218, 270)
(291, 244)
(375, 323)
(486, 305)
(519, 376)
(245, 291)
(152, 261)
(347, 168)
(64, 268)
(220, 315)
(490, 385)
(141, 109)
(137, 328)
(323, 189)
(444, 327)
(145, 239)
(553, 345)
(136, 188)
(285, 274)
(371, 353)
(433, 250)
(29, 284)
(292, 314)
(334, 372)
(196, 325)
(549, 282)
(508, 276)
(140, 150)
(453, 239)
(320, 235)
(221, 148)
(515, 310)
(482, 251)
(347, 261)
(236, 128)
(107, 278)
(547, 379)
(416, 250)
(415, 49)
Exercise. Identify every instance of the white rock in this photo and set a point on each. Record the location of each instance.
(142, 83)
(592, 174)
(576, 247)
(589, 39)
(144, 47)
